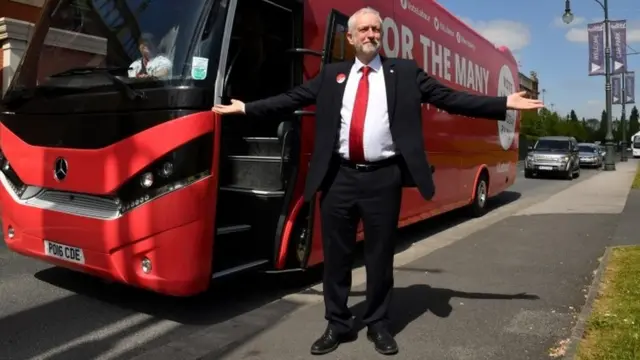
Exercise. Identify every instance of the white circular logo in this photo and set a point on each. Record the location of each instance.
(436, 23)
(506, 128)
(403, 4)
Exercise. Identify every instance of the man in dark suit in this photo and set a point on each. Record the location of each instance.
(368, 146)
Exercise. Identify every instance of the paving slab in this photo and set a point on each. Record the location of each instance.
(510, 291)
(605, 193)
(628, 229)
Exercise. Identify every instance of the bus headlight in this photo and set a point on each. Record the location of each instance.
(177, 169)
(146, 266)
(167, 169)
(146, 180)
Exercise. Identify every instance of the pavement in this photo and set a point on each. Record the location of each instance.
(507, 285)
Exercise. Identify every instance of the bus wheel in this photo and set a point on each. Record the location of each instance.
(479, 205)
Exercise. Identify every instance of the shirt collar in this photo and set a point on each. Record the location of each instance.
(375, 64)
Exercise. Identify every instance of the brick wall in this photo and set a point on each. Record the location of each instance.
(25, 10)
(63, 51)
(72, 58)
(20, 10)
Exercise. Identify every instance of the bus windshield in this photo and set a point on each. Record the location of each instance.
(81, 44)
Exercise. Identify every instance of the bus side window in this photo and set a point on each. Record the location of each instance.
(337, 47)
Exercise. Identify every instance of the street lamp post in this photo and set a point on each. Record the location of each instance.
(623, 115)
(609, 162)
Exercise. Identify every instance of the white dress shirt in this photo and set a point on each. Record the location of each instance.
(378, 144)
(154, 66)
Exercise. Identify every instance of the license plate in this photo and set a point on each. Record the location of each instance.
(64, 252)
(545, 168)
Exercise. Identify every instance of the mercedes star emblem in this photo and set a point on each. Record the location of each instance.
(60, 169)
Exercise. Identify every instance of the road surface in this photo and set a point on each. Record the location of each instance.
(52, 313)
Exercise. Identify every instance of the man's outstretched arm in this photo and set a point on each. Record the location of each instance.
(294, 99)
(463, 103)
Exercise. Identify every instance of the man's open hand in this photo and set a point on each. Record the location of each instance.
(518, 101)
(236, 107)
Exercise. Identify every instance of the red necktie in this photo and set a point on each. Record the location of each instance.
(356, 132)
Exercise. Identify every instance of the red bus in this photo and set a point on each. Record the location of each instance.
(113, 164)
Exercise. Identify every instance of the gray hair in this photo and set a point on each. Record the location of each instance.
(365, 10)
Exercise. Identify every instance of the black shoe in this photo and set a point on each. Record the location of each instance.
(383, 342)
(328, 342)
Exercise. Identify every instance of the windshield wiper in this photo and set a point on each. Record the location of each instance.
(130, 92)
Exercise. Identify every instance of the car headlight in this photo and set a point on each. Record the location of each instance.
(177, 169)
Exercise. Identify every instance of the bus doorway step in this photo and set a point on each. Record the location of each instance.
(284, 271)
(240, 268)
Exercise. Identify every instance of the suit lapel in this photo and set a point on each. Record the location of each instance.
(344, 69)
(390, 85)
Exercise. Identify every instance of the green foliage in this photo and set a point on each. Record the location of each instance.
(534, 124)
(546, 123)
(634, 121)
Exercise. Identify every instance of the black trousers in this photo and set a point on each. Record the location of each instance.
(349, 195)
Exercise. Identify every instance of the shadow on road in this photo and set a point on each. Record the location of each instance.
(411, 302)
(423, 230)
(110, 303)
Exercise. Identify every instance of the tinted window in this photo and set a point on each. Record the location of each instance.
(587, 148)
(552, 145)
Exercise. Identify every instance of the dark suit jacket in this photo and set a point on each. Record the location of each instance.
(407, 87)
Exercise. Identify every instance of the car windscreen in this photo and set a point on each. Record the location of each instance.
(587, 149)
(551, 145)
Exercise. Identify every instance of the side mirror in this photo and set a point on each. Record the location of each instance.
(530, 147)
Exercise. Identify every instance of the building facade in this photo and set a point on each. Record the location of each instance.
(530, 84)
(16, 27)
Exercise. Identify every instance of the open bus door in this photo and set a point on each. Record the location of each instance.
(305, 237)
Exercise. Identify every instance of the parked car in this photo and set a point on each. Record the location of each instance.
(555, 155)
(603, 150)
(590, 155)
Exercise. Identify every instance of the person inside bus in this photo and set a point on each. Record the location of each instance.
(151, 64)
(360, 170)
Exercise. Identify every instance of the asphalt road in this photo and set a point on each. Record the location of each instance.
(52, 313)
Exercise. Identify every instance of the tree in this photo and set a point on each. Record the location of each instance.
(531, 124)
(634, 121)
(573, 116)
(544, 123)
(602, 131)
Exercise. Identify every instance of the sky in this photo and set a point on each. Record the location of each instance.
(541, 42)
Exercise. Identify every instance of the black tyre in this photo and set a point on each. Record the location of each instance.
(479, 205)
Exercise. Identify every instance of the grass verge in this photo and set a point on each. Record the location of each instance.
(636, 180)
(613, 329)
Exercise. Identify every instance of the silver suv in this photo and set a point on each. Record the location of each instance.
(556, 155)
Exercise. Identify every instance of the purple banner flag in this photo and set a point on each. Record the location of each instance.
(630, 87)
(596, 48)
(616, 90)
(619, 46)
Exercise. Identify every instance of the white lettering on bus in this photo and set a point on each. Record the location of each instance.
(436, 57)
